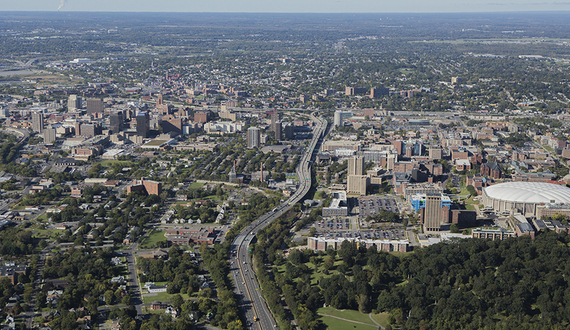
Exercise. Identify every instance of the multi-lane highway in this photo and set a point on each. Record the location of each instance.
(257, 314)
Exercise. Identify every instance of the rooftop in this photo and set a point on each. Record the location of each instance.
(529, 192)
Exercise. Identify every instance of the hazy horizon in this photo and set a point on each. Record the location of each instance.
(293, 6)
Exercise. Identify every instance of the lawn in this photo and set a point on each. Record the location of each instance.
(381, 318)
(548, 148)
(319, 195)
(469, 207)
(471, 201)
(47, 233)
(162, 297)
(464, 192)
(346, 314)
(336, 324)
(109, 162)
(196, 185)
(152, 239)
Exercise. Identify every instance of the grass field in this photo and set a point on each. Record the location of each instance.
(109, 162)
(152, 239)
(346, 314)
(351, 315)
(163, 297)
(196, 185)
(319, 195)
(336, 324)
(381, 318)
(47, 233)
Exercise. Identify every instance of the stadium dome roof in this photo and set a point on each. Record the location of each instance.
(529, 192)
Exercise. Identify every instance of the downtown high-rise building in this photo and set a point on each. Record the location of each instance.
(37, 121)
(432, 212)
(74, 102)
(278, 131)
(356, 181)
(340, 116)
(95, 105)
(143, 124)
(356, 166)
(49, 135)
(253, 137)
(116, 121)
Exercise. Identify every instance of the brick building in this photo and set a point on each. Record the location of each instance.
(491, 169)
(150, 187)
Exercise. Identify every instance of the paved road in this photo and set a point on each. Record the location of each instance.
(257, 314)
(136, 298)
(30, 314)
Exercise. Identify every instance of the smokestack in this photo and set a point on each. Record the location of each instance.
(61, 4)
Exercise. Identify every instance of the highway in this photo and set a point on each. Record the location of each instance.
(256, 312)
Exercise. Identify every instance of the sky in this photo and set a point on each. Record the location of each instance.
(286, 6)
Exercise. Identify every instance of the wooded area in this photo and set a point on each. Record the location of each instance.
(516, 283)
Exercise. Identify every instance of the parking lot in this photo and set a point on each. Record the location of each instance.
(371, 205)
(335, 224)
(379, 234)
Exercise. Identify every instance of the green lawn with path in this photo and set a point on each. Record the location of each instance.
(351, 315)
(381, 318)
(346, 314)
(336, 324)
(152, 239)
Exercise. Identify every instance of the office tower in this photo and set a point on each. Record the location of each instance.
(356, 166)
(391, 161)
(289, 131)
(201, 117)
(4, 112)
(399, 146)
(274, 119)
(159, 100)
(278, 131)
(91, 130)
(357, 184)
(143, 124)
(349, 91)
(95, 105)
(253, 137)
(74, 102)
(339, 117)
(116, 122)
(432, 212)
(378, 92)
(435, 152)
(77, 129)
(169, 123)
(38, 121)
(49, 135)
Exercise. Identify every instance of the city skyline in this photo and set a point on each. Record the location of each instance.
(295, 6)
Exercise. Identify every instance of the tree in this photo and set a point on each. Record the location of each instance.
(109, 297)
(177, 301)
(471, 190)
(454, 228)
(329, 263)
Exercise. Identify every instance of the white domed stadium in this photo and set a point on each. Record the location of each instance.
(525, 197)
